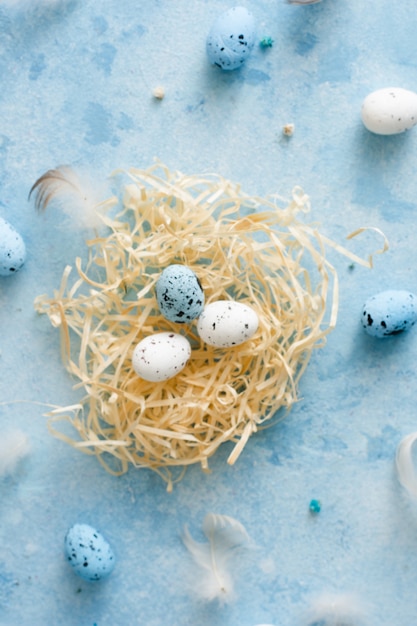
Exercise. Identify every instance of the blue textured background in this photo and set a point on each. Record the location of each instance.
(76, 88)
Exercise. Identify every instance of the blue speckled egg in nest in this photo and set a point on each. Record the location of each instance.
(179, 294)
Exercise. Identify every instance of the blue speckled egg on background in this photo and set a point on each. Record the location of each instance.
(89, 554)
(12, 249)
(389, 313)
(231, 38)
(179, 294)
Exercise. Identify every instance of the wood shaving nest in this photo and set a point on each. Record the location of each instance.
(247, 248)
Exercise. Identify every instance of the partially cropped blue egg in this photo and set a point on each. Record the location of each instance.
(389, 313)
(12, 249)
(179, 294)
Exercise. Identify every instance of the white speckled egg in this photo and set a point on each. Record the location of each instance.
(227, 323)
(89, 554)
(12, 249)
(179, 294)
(161, 356)
(231, 38)
(389, 313)
(390, 111)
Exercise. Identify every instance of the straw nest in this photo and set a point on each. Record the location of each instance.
(254, 250)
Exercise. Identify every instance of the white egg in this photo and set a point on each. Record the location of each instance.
(161, 356)
(227, 323)
(390, 111)
(231, 38)
(12, 249)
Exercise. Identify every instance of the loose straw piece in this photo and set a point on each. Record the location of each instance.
(240, 247)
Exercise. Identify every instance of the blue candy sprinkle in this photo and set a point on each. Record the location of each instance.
(315, 506)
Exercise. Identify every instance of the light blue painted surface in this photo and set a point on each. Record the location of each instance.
(76, 88)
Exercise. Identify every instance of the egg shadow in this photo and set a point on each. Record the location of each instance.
(218, 80)
(368, 350)
(303, 23)
(29, 23)
(375, 160)
(374, 148)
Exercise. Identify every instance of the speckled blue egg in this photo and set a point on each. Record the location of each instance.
(389, 313)
(179, 294)
(12, 249)
(231, 38)
(89, 554)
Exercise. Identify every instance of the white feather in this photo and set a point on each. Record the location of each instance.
(331, 609)
(14, 446)
(405, 466)
(71, 191)
(218, 557)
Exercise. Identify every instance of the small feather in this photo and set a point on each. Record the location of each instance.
(218, 557)
(342, 609)
(51, 184)
(70, 191)
(405, 466)
(14, 446)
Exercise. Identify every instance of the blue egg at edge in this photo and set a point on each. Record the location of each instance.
(179, 294)
(12, 249)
